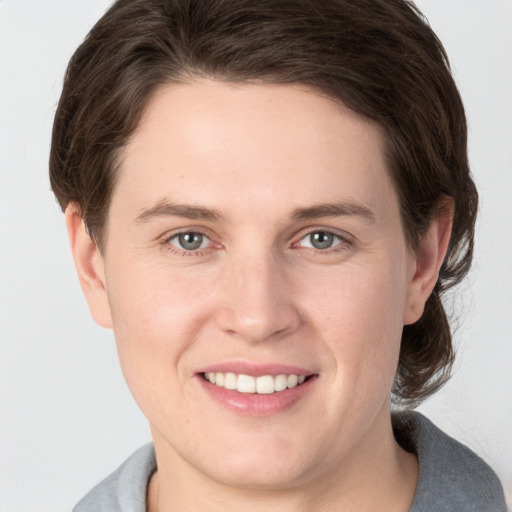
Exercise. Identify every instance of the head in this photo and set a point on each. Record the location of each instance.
(379, 58)
(267, 188)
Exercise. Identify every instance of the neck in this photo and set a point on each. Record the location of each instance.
(379, 475)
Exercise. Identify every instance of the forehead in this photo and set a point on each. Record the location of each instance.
(252, 144)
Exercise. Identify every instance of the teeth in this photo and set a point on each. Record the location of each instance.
(280, 383)
(246, 384)
(230, 382)
(292, 381)
(263, 385)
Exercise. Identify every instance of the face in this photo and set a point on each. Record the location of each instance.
(254, 240)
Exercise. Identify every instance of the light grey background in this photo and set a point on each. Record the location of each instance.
(66, 417)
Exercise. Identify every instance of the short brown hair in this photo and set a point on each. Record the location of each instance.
(379, 57)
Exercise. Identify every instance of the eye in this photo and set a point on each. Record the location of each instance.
(321, 240)
(190, 241)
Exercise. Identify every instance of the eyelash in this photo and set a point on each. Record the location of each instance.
(187, 253)
(344, 243)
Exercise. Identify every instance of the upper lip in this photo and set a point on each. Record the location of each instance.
(256, 369)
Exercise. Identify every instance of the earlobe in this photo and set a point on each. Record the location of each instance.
(89, 265)
(428, 260)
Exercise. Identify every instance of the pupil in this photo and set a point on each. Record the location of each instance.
(191, 241)
(321, 240)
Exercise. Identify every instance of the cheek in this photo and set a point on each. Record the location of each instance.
(154, 300)
(358, 314)
(157, 315)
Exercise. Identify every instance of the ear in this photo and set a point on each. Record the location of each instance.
(89, 265)
(428, 260)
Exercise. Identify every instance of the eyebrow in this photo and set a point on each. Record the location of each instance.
(345, 208)
(166, 209)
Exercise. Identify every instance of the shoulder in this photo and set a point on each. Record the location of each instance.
(125, 489)
(451, 476)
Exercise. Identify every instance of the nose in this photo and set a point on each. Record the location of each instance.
(257, 300)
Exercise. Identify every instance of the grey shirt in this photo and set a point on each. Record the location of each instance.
(451, 477)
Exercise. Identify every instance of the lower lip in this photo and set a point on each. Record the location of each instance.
(254, 404)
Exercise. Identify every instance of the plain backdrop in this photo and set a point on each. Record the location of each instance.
(66, 417)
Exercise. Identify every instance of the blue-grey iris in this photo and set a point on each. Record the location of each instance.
(321, 239)
(190, 241)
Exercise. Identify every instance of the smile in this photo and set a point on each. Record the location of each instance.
(262, 385)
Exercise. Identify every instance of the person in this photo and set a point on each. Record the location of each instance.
(266, 202)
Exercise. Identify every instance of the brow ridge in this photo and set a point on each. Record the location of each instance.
(166, 209)
(344, 208)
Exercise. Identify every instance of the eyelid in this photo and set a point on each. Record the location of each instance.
(205, 239)
(337, 240)
(346, 240)
(166, 238)
(170, 233)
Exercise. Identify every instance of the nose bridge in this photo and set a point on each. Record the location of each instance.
(257, 305)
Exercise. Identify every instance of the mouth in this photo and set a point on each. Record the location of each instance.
(256, 389)
(260, 385)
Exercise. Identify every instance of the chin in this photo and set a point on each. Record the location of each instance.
(256, 473)
(264, 463)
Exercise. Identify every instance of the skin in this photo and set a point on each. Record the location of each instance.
(258, 292)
